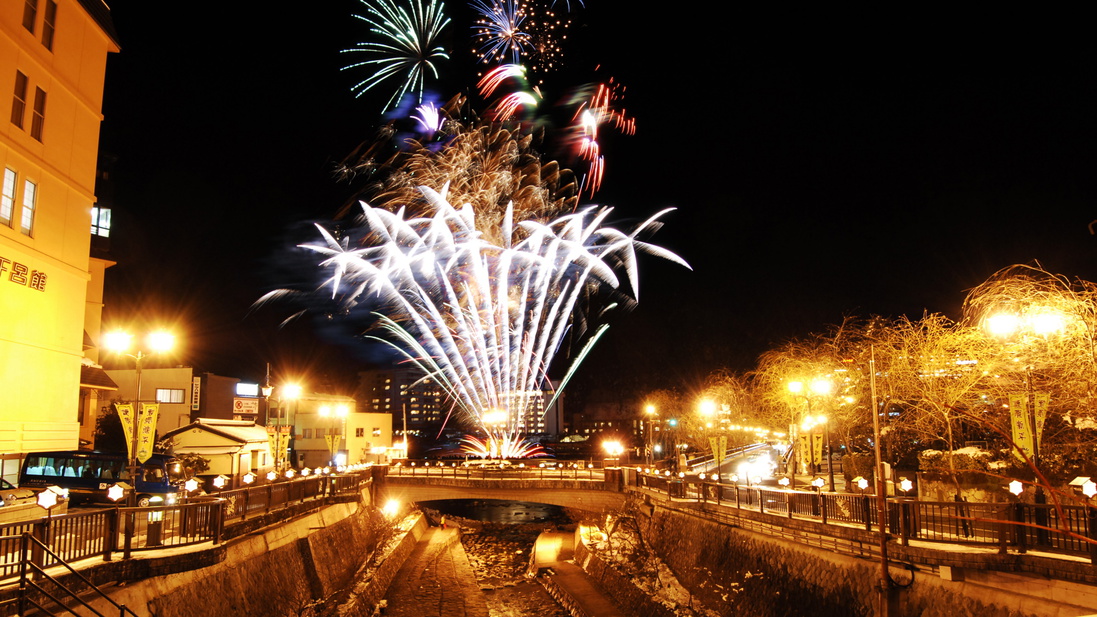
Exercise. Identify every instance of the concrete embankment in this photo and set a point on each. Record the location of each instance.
(302, 566)
(736, 571)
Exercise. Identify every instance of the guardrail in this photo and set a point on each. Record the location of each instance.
(574, 470)
(108, 531)
(1058, 528)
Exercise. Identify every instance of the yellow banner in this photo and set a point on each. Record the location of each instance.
(1040, 403)
(125, 414)
(146, 430)
(817, 449)
(1018, 422)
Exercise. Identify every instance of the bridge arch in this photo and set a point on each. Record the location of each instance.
(593, 498)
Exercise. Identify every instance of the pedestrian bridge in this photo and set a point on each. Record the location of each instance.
(585, 490)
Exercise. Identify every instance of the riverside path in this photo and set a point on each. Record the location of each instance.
(436, 581)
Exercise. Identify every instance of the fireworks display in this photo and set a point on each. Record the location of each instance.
(475, 261)
(482, 319)
(498, 31)
(403, 49)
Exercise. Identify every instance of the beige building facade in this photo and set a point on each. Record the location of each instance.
(53, 56)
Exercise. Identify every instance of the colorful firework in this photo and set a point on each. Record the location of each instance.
(405, 50)
(596, 105)
(498, 31)
(484, 320)
(500, 445)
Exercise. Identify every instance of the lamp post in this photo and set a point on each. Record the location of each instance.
(120, 343)
(820, 387)
(338, 419)
(290, 392)
(650, 413)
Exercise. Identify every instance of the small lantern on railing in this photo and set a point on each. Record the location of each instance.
(861, 483)
(681, 474)
(783, 481)
(290, 473)
(735, 478)
(818, 483)
(191, 485)
(305, 472)
(905, 485)
(715, 477)
(249, 477)
(219, 482)
(1016, 487)
(271, 476)
(117, 491)
(701, 476)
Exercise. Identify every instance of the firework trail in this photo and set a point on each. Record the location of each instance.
(405, 49)
(484, 320)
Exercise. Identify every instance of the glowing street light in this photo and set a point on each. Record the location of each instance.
(120, 343)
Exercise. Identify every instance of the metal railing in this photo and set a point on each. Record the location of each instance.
(33, 592)
(1058, 528)
(469, 470)
(108, 531)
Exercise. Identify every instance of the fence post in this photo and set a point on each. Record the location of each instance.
(1019, 518)
(1091, 532)
(110, 542)
(866, 511)
(904, 522)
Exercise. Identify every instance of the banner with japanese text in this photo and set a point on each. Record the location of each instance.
(146, 430)
(817, 449)
(1018, 422)
(1040, 403)
(125, 415)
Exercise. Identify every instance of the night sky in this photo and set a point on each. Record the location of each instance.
(823, 164)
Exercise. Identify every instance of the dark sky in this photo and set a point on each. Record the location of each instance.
(822, 164)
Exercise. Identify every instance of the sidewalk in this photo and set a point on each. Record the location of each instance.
(553, 550)
(436, 581)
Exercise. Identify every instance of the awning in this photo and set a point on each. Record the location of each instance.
(96, 378)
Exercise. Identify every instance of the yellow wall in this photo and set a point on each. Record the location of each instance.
(41, 334)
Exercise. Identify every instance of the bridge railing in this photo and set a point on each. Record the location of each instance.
(574, 470)
(1060, 528)
(108, 531)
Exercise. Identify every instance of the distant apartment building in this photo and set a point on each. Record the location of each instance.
(53, 56)
(422, 406)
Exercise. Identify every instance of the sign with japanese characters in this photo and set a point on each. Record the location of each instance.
(22, 274)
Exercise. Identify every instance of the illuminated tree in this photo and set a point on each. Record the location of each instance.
(941, 372)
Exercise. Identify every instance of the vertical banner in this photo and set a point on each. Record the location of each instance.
(272, 442)
(1040, 403)
(817, 450)
(283, 443)
(196, 394)
(125, 414)
(331, 443)
(1018, 422)
(803, 452)
(146, 430)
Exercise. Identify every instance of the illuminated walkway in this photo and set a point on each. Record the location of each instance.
(436, 581)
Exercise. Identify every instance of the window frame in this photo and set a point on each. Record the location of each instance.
(7, 199)
(19, 100)
(29, 207)
(38, 114)
(165, 396)
(49, 24)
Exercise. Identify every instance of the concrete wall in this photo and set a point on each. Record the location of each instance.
(738, 572)
(288, 569)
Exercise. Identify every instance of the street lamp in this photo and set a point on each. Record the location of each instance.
(141, 423)
(338, 420)
(650, 411)
(820, 387)
(290, 392)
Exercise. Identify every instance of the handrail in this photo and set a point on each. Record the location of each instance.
(27, 580)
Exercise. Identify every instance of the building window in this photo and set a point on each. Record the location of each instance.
(30, 196)
(359, 432)
(376, 431)
(7, 197)
(170, 395)
(307, 434)
(19, 102)
(30, 14)
(100, 221)
(38, 119)
(48, 22)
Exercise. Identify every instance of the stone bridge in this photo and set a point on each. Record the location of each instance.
(596, 495)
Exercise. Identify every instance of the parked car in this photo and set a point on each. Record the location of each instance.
(11, 495)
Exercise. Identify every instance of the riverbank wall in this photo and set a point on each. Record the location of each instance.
(307, 565)
(735, 571)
